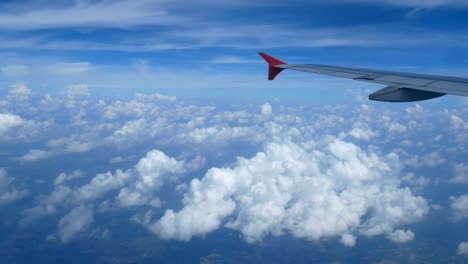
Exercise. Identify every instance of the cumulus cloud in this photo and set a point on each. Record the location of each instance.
(63, 177)
(396, 128)
(74, 143)
(348, 240)
(101, 184)
(401, 236)
(14, 128)
(459, 207)
(136, 186)
(47, 205)
(412, 179)
(266, 109)
(460, 174)
(76, 221)
(36, 154)
(358, 192)
(463, 249)
(9, 121)
(152, 171)
(117, 159)
(337, 190)
(429, 160)
(363, 133)
(8, 192)
(20, 92)
(416, 109)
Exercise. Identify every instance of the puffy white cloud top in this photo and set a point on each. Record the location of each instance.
(335, 190)
(64, 177)
(266, 109)
(320, 173)
(152, 171)
(9, 121)
(137, 186)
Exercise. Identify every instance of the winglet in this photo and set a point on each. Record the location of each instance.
(273, 71)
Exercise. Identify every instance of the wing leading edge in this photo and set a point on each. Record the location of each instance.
(401, 87)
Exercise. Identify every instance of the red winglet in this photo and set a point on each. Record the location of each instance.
(272, 62)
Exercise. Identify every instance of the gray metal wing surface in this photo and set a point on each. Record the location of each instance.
(401, 86)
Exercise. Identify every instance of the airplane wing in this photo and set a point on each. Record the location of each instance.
(401, 87)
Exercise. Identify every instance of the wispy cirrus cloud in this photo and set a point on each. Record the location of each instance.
(413, 3)
(110, 14)
(243, 37)
(70, 67)
(152, 26)
(232, 60)
(126, 14)
(82, 14)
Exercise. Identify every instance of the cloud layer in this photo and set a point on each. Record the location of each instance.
(315, 173)
(334, 190)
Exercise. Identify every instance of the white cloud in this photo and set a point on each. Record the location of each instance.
(125, 14)
(401, 236)
(35, 155)
(85, 14)
(14, 128)
(432, 159)
(429, 160)
(396, 128)
(64, 177)
(75, 143)
(318, 194)
(77, 90)
(20, 92)
(70, 67)
(14, 70)
(246, 206)
(8, 122)
(75, 222)
(47, 205)
(416, 109)
(412, 3)
(459, 207)
(412, 179)
(364, 133)
(8, 192)
(134, 187)
(266, 109)
(463, 249)
(460, 172)
(117, 159)
(152, 172)
(101, 184)
(348, 240)
(232, 60)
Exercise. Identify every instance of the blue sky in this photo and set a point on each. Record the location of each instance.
(149, 44)
(146, 131)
